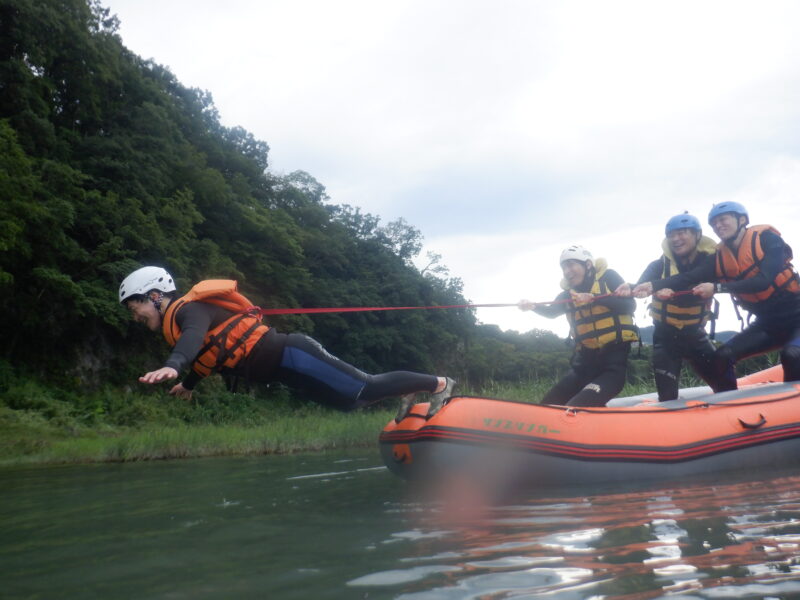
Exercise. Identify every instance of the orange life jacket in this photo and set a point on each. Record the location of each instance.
(230, 341)
(746, 264)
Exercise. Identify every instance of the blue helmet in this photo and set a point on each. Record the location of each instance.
(684, 221)
(728, 207)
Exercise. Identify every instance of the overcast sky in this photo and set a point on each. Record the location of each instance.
(508, 130)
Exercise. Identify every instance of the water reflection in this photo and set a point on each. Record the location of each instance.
(706, 540)
(340, 527)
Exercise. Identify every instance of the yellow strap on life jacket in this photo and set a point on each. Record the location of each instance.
(594, 325)
(688, 313)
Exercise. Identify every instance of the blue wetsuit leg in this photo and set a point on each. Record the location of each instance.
(305, 363)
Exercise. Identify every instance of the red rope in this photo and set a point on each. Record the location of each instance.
(307, 311)
(299, 311)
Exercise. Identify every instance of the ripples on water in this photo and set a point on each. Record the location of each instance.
(331, 527)
(735, 539)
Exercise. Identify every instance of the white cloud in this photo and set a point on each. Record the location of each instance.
(505, 131)
(506, 267)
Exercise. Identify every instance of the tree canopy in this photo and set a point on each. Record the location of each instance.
(107, 163)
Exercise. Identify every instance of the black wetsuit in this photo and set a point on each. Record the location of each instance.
(671, 345)
(294, 359)
(777, 319)
(596, 375)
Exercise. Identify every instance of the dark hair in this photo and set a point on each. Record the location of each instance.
(136, 297)
(142, 297)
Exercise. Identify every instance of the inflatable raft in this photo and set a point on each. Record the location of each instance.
(519, 444)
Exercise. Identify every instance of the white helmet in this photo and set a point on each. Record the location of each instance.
(578, 253)
(145, 279)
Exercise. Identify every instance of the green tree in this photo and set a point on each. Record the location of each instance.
(108, 162)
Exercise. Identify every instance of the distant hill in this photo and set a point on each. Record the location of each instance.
(647, 335)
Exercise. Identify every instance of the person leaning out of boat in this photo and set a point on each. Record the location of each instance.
(753, 264)
(213, 328)
(679, 323)
(601, 324)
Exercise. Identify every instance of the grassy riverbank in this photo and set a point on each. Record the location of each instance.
(286, 433)
(40, 424)
(46, 423)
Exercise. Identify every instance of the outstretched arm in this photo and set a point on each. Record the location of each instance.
(194, 319)
(703, 272)
(555, 309)
(159, 375)
(618, 304)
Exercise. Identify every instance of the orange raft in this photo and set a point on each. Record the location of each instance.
(630, 439)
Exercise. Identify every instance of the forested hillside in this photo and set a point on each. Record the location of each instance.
(108, 163)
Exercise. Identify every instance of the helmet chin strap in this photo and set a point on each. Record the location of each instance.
(735, 236)
(589, 277)
(157, 299)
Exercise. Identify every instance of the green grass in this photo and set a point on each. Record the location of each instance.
(40, 424)
(154, 442)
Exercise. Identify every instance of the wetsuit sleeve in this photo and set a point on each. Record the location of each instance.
(774, 260)
(191, 380)
(194, 319)
(704, 272)
(558, 308)
(615, 303)
(652, 272)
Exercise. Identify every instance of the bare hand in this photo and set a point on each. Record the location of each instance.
(526, 305)
(160, 375)
(623, 291)
(664, 294)
(181, 392)
(581, 297)
(704, 290)
(643, 290)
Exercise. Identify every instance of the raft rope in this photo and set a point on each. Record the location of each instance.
(300, 311)
(305, 311)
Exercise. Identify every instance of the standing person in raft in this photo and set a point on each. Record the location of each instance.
(213, 328)
(753, 264)
(603, 330)
(679, 331)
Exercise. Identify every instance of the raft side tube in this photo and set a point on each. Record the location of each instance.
(700, 432)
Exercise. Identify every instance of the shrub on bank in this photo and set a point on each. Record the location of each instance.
(40, 423)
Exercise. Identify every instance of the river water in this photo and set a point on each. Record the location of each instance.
(341, 526)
